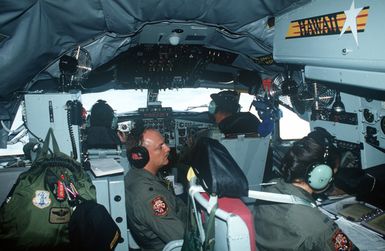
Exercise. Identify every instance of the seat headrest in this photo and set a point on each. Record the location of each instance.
(216, 169)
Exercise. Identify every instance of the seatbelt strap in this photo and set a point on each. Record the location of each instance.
(282, 198)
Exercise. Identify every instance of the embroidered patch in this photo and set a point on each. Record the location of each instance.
(159, 206)
(41, 199)
(59, 215)
(341, 242)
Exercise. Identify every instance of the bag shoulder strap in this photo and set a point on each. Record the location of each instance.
(55, 146)
(209, 243)
(45, 149)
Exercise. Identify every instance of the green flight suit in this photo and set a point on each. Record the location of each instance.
(281, 226)
(155, 215)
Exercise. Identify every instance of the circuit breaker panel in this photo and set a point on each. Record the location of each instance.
(59, 111)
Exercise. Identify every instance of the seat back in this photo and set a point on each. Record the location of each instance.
(250, 153)
(98, 137)
(234, 225)
(220, 176)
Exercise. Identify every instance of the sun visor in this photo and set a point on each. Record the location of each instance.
(216, 169)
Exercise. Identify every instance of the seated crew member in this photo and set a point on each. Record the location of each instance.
(281, 226)
(367, 185)
(102, 129)
(155, 215)
(225, 109)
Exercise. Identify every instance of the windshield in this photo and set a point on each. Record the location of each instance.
(194, 100)
(188, 99)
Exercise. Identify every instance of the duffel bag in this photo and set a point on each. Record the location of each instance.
(38, 208)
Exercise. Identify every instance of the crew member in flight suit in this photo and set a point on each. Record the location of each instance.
(281, 226)
(225, 109)
(155, 215)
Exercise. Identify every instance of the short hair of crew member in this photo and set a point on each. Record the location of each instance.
(306, 165)
(153, 151)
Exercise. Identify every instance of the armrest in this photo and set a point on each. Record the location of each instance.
(175, 245)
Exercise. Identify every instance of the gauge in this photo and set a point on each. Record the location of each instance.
(369, 117)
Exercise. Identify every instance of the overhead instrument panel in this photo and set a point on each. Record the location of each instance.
(167, 66)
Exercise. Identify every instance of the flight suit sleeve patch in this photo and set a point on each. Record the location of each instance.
(341, 242)
(159, 206)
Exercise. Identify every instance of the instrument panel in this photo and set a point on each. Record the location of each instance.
(185, 130)
(178, 128)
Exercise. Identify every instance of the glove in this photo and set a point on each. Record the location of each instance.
(354, 181)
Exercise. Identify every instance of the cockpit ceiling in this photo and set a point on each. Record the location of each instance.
(37, 33)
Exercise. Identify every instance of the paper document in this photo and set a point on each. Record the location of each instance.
(106, 166)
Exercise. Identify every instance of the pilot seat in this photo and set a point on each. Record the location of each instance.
(219, 184)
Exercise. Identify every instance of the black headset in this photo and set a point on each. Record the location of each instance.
(138, 156)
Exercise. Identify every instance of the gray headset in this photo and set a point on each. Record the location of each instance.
(319, 175)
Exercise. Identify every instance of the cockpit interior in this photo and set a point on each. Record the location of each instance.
(319, 63)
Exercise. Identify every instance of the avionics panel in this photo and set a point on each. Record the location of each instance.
(372, 116)
(176, 127)
(360, 129)
(185, 130)
(161, 119)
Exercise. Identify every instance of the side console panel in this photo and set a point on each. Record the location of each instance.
(361, 129)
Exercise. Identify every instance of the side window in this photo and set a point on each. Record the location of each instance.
(291, 126)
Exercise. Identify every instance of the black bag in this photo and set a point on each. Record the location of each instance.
(217, 171)
(38, 208)
(92, 228)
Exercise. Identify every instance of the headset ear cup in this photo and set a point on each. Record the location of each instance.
(114, 123)
(319, 176)
(138, 156)
(88, 121)
(212, 107)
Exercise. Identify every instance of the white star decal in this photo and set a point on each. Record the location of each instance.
(351, 21)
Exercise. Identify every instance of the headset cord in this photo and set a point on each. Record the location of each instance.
(70, 129)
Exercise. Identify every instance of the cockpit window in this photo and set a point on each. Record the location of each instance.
(194, 100)
(188, 100)
(291, 126)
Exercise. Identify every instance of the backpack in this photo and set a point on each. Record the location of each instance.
(38, 208)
